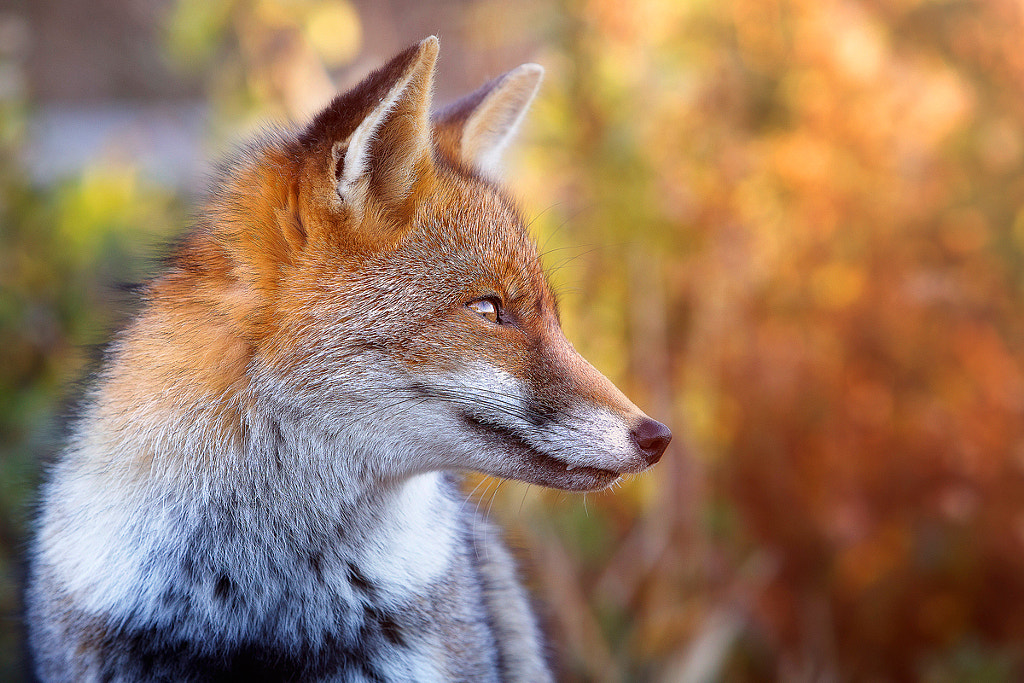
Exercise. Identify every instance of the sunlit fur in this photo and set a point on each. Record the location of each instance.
(259, 485)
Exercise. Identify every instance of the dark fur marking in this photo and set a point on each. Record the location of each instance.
(540, 415)
(536, 413)
(391, 630)
(341, 117)
(420, 390)
(225, 588)
(386, 623)
(359, 580)
(279, 444)
(316, 560)
(174, 599)
(504, 432)
(155, 654)
(188, 568)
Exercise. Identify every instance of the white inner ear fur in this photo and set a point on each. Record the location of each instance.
(355, 174)
(494, 122)
(358, 152)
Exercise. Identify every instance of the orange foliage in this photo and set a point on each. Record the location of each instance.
(836, 192)
(879, 380)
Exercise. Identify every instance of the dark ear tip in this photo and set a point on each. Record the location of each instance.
(341, 117)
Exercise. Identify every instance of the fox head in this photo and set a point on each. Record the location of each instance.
(374, 283)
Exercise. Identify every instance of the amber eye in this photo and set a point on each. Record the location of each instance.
(486, 308)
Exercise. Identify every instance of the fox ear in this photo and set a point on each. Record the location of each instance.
(477, 128)
(379, 132)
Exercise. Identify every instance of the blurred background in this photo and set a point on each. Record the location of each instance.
(791, 229)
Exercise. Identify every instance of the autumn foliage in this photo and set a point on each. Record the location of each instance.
(836, 194)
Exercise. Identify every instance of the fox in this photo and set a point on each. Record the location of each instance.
(264, 482)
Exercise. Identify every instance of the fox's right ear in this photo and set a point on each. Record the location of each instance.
(373, 143)
(477, 128)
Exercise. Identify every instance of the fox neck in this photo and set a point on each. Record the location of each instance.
(203, 447)
(290, 486)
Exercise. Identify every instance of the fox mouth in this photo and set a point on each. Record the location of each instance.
(538, 467)
(569, 477)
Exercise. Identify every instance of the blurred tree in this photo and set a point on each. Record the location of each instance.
(830, 198)
(62, 250)
(264, 59)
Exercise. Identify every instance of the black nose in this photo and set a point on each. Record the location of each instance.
(651, 437)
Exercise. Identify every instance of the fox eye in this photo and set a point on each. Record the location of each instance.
(486, 308)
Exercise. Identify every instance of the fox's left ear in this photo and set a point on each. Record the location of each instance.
(477, 128)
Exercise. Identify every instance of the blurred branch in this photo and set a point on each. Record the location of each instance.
(582, 633)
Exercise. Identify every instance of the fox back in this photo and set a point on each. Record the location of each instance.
(262, 483)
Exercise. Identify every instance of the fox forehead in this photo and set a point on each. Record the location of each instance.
(472, 230)
(465, 239)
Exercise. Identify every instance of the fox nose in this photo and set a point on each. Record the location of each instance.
(651, 438)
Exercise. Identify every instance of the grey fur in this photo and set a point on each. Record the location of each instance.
(246, 590)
